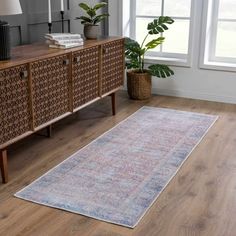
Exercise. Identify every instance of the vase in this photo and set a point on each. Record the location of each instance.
(91, 31)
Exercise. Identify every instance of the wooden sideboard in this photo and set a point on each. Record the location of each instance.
(39, 86)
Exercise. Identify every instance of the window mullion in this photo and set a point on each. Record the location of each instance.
(213, 36)
(162, 13)
(133, 18)
(162, 7)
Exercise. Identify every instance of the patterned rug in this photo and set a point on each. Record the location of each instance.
(117, 177)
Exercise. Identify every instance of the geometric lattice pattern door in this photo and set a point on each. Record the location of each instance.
(112, 65)
(50, 88)
(15, 117)
(85, 76)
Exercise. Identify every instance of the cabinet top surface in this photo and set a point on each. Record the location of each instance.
(33, 52)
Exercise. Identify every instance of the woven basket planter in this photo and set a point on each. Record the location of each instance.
(139, 85)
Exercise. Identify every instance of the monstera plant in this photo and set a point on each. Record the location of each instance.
(139, 77)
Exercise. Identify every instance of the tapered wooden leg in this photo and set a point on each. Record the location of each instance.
(49, 131)
(113, 102)
(3, 165)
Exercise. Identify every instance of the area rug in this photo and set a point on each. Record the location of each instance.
(118, 176)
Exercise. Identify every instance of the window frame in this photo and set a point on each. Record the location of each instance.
(208, 58)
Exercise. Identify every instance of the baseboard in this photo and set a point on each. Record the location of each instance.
(195, 95)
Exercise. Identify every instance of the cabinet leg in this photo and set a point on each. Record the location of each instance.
(3, 165)
(49, 131)
(113, 102)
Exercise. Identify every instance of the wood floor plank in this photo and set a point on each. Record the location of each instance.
(200, 200)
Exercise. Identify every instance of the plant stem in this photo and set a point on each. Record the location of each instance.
(144, 40)
(141, 62)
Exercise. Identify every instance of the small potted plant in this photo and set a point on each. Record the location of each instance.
(91, 20)
(139, 79)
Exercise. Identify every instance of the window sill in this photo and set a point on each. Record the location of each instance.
(168, 61)
(221, 66)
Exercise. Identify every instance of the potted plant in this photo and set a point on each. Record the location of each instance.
(138, 78)
(92, 20)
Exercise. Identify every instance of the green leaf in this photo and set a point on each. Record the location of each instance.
(159, 29)
(91, 13)
(132, 46)
(84, 6)
(164, 27)
(132, 64)
(159, 25)
(161, 71)
(133, 53)
(84, 19)
(142, 51)
(99, 5)
(99, 18)
(154, 43)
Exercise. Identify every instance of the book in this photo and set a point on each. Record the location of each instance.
(66, 46)
(62, 42)
(62, 36)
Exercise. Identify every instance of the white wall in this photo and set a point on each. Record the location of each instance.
(191, 82)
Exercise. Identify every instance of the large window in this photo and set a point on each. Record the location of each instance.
(205, 26)
(177, 38)
(219, 47)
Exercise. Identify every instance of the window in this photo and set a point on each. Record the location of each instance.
(205, 26)
(220, 34)
(226, 30)
(177, 38)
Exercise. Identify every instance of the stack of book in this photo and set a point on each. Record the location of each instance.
(64, 40)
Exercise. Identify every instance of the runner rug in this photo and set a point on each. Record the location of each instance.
(117, 177)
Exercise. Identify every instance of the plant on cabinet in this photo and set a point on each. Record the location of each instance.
(92, 19)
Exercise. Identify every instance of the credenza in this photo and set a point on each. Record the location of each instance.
(39, 86)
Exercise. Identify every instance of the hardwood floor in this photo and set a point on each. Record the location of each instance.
(200, 200)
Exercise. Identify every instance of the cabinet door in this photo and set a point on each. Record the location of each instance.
(85, 76)
(50, 88)
(112, 66)
(15, 116)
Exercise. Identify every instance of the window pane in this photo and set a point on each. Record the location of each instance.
(148, 7)
(177, 8)
(227, 9)
(226, 38)
(176, 38)
(141, 31)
